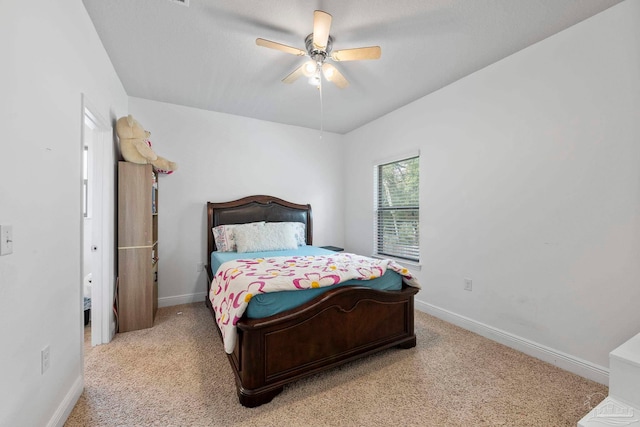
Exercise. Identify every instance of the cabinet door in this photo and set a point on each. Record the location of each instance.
(135, 219)
(137, 290)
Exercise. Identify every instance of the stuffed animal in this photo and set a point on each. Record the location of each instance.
(136, 147)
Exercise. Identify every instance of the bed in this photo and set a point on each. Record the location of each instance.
(337, 326)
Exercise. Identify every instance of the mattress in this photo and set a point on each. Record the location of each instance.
(268, 304)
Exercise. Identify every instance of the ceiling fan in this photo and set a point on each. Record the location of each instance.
(318, 47)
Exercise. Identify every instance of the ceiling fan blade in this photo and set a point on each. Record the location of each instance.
(332, 74)
(321, 28)
(295, 74)
(280, 46)
(372, 52)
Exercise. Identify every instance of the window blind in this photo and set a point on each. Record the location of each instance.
(397, 209)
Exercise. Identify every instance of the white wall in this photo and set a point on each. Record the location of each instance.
(223, 157)
(50, 54)
(530, 186)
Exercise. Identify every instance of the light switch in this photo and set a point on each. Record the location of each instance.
(6, 239)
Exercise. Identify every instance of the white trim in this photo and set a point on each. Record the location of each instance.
(570, 363)
(412, 265)
(68, 403)
(103, 287)
(182, 299)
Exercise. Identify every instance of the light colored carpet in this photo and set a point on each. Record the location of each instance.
(177, 374)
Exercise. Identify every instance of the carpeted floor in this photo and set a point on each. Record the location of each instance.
(177, 374)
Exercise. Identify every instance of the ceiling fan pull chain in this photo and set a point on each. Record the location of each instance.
(321, 109)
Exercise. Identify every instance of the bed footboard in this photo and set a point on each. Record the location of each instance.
(340, 326)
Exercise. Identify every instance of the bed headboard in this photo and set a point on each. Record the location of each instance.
(256, 208)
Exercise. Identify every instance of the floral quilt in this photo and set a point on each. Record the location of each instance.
(237, 281)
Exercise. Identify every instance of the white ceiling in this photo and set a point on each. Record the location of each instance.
(205, 56)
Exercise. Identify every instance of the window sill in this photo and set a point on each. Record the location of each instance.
(412, 265)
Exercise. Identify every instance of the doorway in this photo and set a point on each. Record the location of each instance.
(97, 270)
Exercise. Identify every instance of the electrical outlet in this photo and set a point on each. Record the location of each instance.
(45, 359)
(468, 284)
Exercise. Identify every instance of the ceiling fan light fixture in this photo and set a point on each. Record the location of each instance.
(314, 80)
(329, 72)
(310, 68)
(332, 74)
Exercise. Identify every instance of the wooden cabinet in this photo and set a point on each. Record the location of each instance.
(137, 246)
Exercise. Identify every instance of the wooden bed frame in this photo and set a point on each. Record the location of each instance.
(337, 327)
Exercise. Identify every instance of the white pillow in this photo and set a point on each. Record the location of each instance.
(224, 235)
(272, 236)
(301, 233)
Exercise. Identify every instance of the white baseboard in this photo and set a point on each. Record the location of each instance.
(557, 358)
(68, 403)
(182, 299)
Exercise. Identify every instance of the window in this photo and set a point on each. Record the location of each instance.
(397, 209)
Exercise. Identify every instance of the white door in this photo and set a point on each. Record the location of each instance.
(97, 246)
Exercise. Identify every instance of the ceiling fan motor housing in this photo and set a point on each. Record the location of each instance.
(313, 52)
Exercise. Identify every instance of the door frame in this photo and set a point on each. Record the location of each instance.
(102, 287)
